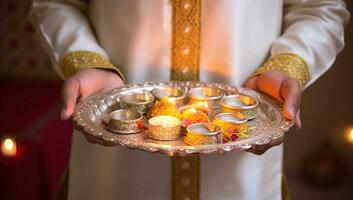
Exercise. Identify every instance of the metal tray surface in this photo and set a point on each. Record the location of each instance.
(88, 116)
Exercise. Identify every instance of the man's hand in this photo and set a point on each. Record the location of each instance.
(84, 83)
(283, 88)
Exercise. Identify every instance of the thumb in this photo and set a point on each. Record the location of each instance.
(251, 83)
(290, 90)
(69, 96)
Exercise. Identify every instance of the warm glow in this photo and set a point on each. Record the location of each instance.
(350, 136)
(8, 147)
(171, 100)
(246, 100)
(193, 110)
(203, 104)
(165, 122)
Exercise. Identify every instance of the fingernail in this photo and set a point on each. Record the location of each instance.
(63, 113)
(299, 124)
(291, 112)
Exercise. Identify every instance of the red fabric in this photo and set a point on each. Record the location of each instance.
(43, 153)
(22, 176)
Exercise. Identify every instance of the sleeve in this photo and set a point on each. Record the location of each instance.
(66, 34)
(313, 34)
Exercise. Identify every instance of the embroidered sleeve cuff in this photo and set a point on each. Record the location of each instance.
(289, 63)
(78, 60)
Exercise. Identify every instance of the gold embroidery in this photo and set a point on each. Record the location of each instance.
(185, 66)
(186, 178)
(186, 39)
(289, 63)
(78, 60)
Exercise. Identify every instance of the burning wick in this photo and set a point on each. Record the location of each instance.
(204, 104)
(193, 110)
(164, 125)
(171, 100)
(8, 147)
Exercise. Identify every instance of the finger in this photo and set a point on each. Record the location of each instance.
(272, 143)
(298, 123)
(290, 91)
(261, 149)
(70, 93)
(251, 83)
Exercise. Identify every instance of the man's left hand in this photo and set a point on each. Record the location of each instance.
(283, 88)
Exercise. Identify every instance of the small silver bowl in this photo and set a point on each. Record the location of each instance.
(238, 103)
(137, 101)
(203, 134)
(125, 121)
(231, 118)
(173, 93)
(234, 121)
(210, 95)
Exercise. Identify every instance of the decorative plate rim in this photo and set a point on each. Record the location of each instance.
(101, 101)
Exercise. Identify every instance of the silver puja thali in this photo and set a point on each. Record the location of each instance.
(269, 123)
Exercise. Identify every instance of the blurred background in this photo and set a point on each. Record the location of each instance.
(35, 144)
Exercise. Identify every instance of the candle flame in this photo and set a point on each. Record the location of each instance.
(8, 147)
(193, 110)
(203, 104)
(350, 136)
(164, 123)
(171, 100)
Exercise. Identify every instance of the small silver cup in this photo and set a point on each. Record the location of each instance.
(173, 93)
(137, 101)
(125, 121)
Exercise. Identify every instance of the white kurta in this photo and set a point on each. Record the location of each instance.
(236, 37)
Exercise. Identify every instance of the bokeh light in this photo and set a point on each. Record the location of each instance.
(8, 147)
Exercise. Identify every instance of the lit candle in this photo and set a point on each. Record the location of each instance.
(198, 107)
(205, 104)
(193, 110)
(171, 100)
(164, 128)
(8, 147)
(165, 123)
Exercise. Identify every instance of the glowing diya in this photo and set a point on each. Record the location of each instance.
(164, 128)
(197, 107)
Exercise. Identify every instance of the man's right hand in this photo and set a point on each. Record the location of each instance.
(83, 84)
